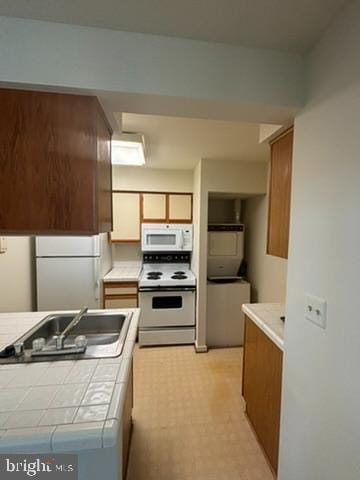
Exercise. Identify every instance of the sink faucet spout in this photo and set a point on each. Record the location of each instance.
(61, 338)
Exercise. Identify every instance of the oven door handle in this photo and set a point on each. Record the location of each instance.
(167, 289)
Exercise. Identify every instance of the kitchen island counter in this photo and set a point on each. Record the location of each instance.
(64, 406)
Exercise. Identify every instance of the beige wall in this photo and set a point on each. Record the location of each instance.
(235, 177)
(242, 178)
(147, 179)
(267, 274)
(152, 179)
(16, 275)
(266, 131)
(123, 252)
(200, 208)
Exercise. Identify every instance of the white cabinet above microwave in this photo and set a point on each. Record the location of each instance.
(166, 238)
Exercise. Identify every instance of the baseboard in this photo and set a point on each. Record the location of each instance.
(200, 348)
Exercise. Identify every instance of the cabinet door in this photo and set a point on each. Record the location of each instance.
(279, 196)
(121, 301)
(126, 217)
(154, 207)
(50, 182)
(180, 208)
(262, 373)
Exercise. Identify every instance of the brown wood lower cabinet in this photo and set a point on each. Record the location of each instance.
(127, 422)
(262, 373)
(120, 295)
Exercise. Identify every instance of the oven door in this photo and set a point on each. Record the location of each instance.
(162, 240)
(167, 308)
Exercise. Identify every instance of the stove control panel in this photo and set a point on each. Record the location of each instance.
(166, 258)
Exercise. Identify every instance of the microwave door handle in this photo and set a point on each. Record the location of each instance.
(182, 239)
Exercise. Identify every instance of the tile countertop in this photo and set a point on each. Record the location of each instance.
(124, 272)
(65, 405)
(267, 317)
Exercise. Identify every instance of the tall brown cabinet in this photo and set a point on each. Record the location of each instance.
(279, 194)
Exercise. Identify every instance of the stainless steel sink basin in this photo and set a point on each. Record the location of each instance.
(105, 334)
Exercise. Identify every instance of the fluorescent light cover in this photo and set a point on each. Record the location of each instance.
(124, 152)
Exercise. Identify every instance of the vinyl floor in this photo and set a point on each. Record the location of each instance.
(188, 416)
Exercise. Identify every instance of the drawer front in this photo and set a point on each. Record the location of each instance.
(121, 302)
(120, 290)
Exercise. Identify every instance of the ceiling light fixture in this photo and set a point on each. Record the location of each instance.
(128, 149)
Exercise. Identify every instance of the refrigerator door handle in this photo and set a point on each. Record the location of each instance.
(97, 278)
(96, 246)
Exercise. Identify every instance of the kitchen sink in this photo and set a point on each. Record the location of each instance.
(102, 334)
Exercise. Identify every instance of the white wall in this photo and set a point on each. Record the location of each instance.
(267, 274)
(152, 179)
(43, 53)
(320, 434)
(16, 276)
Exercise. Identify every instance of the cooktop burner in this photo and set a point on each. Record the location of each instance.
(154, 277)
(158, 274)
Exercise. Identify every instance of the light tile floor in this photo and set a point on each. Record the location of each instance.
(188, 418)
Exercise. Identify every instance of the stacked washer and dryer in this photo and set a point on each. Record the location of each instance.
(227, 291)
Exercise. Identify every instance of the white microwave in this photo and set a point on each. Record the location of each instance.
(161, 237)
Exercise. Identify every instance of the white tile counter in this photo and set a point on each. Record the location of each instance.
(124, 272)
(64, 405)
(267, 317)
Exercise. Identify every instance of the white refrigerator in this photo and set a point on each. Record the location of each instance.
(69, 271)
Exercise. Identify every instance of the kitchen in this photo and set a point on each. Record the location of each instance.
(178, 401)
(146, 262)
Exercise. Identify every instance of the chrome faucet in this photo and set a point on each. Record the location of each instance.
(60, 339)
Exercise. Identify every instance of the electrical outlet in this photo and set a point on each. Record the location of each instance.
(315, 310)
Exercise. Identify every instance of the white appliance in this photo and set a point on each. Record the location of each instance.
(167, 289)
(69, 271)
(166, 237)
(225, 250)
(225, 319)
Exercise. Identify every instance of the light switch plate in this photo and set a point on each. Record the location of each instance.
(315, 310)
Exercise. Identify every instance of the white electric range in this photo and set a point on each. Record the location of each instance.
(167, 289)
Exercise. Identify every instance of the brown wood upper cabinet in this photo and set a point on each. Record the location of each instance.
(279, 195)
(55, 164)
